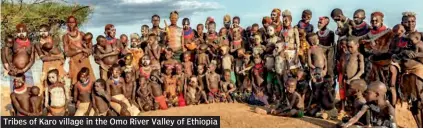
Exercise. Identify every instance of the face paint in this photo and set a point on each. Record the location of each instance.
(271, 30)
(43, 32)
(186, 25)
(274, 16)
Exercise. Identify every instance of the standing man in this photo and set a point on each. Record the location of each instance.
(175, 36)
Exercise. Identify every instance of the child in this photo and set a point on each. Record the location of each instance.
(212, 82)
(418, 45)
(188, 65)
(325, 95)
(354, 67)
(105, 55)
(355, 62)
(156, 89)
(56, 95)
(212, 39)
(153, 49)
(144, 95)
(258, 98)
(237, 40)
(238, 66)
(169, 86)
(303, 87)
(293, 105)
(180, 83)
(7, 53)
(202, 57)
(101, 100)
(258, 48)
(399, 41)
(169, 59)
(36, 101)
(304, 23)
(358, 87)
(382, 113)
(116, 88)
(223, 38)
(304, 47)
(316, 57)
(257, 72)
(227, 86)
(227, 61)
(194, 93)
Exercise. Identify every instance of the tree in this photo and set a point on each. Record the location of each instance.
(34, 13)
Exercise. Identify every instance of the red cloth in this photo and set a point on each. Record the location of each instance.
(342, 85)
(380, 29)
(162, 102)
(181, 100)
(22, 43)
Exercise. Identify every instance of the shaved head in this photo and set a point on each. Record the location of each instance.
(359, 84)
(377, 87)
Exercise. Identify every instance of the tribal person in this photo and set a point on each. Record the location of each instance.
(72, 45)
(292, 42)
(276, 20)
(359, 26)
(175, 36)
(409, 22)
(327, 43)
(50, 54)
(23, 55)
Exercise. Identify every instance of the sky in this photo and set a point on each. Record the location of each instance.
(129, 15)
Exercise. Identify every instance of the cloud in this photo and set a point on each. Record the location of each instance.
(127, 12)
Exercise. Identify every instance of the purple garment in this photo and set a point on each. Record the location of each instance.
(306, 26)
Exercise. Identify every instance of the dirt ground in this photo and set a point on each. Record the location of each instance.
(237, 115)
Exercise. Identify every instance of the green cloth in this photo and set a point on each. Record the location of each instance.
(233, 77)
(300, 114)
(271, 78)
(177, 55)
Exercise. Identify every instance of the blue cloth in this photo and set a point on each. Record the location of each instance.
(259, 101)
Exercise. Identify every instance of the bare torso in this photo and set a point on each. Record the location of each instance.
(317, 57)
(213, 79)
(116, 86)
(227, 61)
(101, 103)
(352, 65)
(156, 89)
(21, 55)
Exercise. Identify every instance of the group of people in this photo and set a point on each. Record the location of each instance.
(291, 70)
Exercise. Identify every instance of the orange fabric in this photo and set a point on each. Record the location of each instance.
(137, 54)
(75, 66)
(57, 111)
(191, 46)
(161, 100)
(86, 89)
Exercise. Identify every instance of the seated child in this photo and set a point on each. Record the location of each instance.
(258, 98)
(325, 97)
(356, 91)
(292, 104)
(382, 113)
